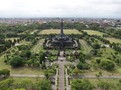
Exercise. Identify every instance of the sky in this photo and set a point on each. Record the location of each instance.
(60, 8)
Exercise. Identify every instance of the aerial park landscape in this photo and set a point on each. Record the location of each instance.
(59, 56)
(60, 44)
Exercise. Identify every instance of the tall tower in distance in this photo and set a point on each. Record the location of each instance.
(61, 32)
(61, 41)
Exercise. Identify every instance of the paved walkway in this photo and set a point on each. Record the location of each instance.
(104, 76)
(61, 62)
(67, 82)
(32, 76)
(61, 76)
(26, 75)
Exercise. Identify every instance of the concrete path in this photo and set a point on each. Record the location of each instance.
(61, 76)
(61, 53)
(61, 62)
(105, 77)
(61, 67)
(26, 75)
(67, 82)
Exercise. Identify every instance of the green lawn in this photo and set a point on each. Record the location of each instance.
(23, 42)
(38, 47)
(57, 31)
(19, 79)
(22, 70)
(25, 32)
(106, 53)
(32, 32)
(115, 40)
(95, 81)
(11, 39)
(93, 32)
(84, 46)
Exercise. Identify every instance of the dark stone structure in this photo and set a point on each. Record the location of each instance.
(61, 41)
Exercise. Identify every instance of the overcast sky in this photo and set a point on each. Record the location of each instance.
(61, 8)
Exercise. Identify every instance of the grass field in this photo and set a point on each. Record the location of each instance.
(85, 47)
(92, 32)
(20, 79)
(115, 40)
(22, 70)
(108, 84)
(38, 47)
(12, 39)
(106, 53)
(95, 81)
(32, 32)
(25, 32)
(57, 31)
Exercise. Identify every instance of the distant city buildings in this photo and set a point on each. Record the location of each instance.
(26, 21)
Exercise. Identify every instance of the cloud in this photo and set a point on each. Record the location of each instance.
(60, 8)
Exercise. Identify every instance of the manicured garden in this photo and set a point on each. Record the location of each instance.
(57, 31)
(93, 32)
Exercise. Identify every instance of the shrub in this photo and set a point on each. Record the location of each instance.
(107, 64)
(16, 61)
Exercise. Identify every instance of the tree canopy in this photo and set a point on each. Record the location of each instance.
(16, 61)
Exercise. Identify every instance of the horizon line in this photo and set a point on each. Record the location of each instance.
(61, 17)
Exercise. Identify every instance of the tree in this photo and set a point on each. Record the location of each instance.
(25, 84)
(29, 63)
(94, 52)
(81, 66)
(43, 66)
(5, 73)
(107, 64)
(94, 26)
(20, 89)
(98, 61)
(76, 71)
(28, 54)
(44, 85)
(16, 61)
(23, 47)
(96, 46)
(83, 84)
(104, 85)
(6, 84)
(50, 72)
(47, 74)
(42, 57)
(82, 57)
